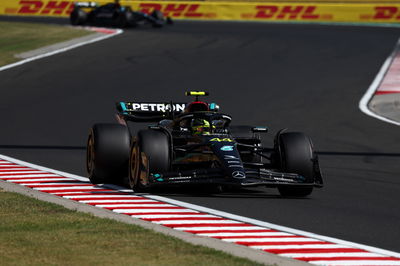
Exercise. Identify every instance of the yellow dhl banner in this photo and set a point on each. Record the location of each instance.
(261, 11)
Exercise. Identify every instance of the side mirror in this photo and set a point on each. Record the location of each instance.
(259, 129)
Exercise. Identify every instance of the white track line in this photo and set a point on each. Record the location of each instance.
(61, 50)
(273, 226)
(363, 104)
(254, 224)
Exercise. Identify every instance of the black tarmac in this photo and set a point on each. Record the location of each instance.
(303, 77)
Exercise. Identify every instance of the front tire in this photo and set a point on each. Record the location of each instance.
(296, 156)
(124, 19)
(78, 17)
(159, 19)
(107, 153)
(150, 154)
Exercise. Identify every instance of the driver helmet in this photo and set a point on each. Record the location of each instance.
(200, 126)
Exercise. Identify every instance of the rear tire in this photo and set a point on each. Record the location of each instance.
(158, 18)
(149, 155)
(78, 17)
(124, 19)
(107, 153)
(296, 156)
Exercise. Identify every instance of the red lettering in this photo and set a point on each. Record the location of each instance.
(70, 8)
(385, 12)
(309, 13)
(148, 8)
(293, 12)
(30, 7)
(191, 13)
(266, 11)
(56, 8)
(176, 10)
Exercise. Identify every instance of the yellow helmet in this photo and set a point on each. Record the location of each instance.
(200, 126)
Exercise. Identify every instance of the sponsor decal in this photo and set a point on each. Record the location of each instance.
(311, 12)
(227, 148)
(288, 12)
(35, 7)
(180, 178)
(238, 174)
(385, 13)
(155, 107)
(231, 157)
(158, 177)
(220, 140)
(283, 179)
(176, 10)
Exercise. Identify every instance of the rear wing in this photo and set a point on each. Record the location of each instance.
(149, 111)
(86, 4)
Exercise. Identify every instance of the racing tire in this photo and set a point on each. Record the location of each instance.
(150, 154)
(122, 19)
(158, 18)
(296, 156)
(78, 17)
(157, 14)
(107, 153)
(169, 21)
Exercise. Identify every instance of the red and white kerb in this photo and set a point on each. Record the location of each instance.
(315, 250)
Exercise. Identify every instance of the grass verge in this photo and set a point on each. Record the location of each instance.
(18, 37)
(40, 233)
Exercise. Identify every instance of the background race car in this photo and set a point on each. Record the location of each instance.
(114, 15)
(196, 144)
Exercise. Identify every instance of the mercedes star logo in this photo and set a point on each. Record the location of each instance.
(238, 174)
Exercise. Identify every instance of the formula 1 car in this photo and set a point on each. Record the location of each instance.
(196, 144)
(114, 15)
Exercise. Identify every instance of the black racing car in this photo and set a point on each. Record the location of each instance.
(114, 15)
(196, 144)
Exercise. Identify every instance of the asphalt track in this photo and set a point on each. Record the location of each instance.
(304, 77)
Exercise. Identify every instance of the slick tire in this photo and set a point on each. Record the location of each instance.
(125, 19)
(78, 17)
(107, 153)
(151, 153)
(296, 156)
(158, 18)
(157, 14)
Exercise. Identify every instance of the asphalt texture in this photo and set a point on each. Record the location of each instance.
(304, 77)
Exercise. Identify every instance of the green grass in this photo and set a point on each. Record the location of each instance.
(40, 233)
(18, 37)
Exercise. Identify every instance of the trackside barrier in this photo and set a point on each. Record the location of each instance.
(240, 11)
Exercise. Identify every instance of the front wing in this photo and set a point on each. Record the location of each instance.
(213, 176)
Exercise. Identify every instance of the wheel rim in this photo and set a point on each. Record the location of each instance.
(139, 169)
(133, 167)
(90, 156)
(143, 170)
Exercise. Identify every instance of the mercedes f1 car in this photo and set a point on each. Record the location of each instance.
(114, 15)
(194, 143)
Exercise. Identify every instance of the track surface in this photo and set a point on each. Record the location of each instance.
(307, 78)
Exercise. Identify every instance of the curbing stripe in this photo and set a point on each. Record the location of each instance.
(207, 223)
(369, 94)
